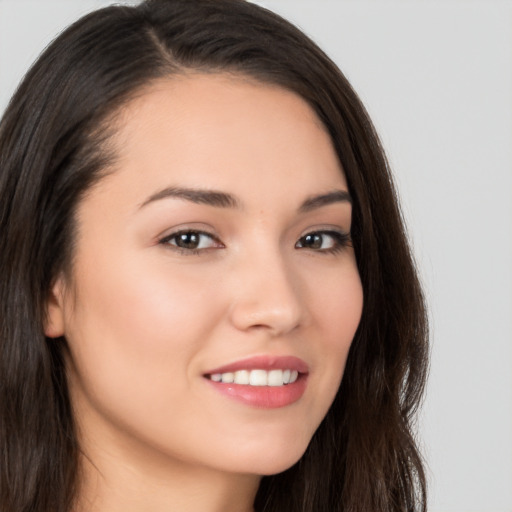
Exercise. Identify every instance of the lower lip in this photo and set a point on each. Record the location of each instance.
(264, 397)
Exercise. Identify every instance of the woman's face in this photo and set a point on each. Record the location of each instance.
(219, 244)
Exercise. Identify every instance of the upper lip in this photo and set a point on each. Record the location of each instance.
(263, 362)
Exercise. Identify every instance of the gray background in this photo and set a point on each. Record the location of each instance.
(436, 77)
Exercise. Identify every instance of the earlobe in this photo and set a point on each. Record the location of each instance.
(54, 322)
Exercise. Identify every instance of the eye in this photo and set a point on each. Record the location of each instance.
(324, 241)
(191, 241)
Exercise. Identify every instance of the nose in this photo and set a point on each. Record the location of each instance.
(267, 296)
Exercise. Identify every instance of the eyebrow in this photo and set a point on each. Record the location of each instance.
(335, 196)
(224, 200)
(195, 195)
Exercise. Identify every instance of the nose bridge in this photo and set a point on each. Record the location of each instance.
(267, 291)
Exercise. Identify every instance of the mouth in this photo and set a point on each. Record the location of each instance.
(267, 382)
(258, 377)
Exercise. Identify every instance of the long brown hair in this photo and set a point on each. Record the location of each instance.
(54, 146)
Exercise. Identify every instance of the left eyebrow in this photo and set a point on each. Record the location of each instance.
(336, 196)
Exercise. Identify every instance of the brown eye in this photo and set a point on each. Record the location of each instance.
(312, 241)
(324, 241)
(191, 240)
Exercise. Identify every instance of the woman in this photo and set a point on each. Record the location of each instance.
(208, 300)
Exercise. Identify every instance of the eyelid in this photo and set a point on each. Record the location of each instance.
(186, 227)
(342, 239)
(164, 240)
(326, 228)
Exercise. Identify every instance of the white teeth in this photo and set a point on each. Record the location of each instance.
(257, 377)
(242, 377)
(228, 378)
(275, 378)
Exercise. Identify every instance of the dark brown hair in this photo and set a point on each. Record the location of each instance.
(54, 146)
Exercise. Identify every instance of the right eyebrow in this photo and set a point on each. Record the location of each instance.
(196, 195)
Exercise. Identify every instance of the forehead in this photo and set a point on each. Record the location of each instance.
(223, 132)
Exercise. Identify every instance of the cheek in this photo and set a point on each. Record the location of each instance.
(141, 306)
(338, 307)
(132, 332)
(339, 312)
(134, 338)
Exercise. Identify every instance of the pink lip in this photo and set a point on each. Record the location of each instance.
(264, 397)
(264, 363)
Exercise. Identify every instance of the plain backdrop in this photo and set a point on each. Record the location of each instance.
(436, 77)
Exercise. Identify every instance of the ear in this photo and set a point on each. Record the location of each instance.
(54, 322)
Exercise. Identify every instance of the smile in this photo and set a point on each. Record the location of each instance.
(257, 377)
(265, 382)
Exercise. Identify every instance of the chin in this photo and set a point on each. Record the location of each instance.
(272, 461)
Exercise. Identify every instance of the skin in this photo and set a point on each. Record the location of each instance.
(145, 320)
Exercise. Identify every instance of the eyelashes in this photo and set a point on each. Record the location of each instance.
(329, 242)
(191, 241)
(194, 242)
